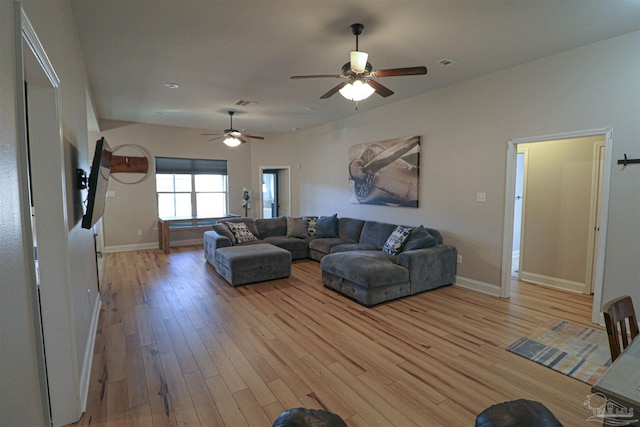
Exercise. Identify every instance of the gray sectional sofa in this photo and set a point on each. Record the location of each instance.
(352, 254)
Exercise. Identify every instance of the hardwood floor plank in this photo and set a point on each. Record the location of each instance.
(206, 408)
(117, 403)
(136, 380)
(181, 401)
(231, 377)
(176, 345)
(229, 409)
(157, 389)
(247, 372)
(251, 408)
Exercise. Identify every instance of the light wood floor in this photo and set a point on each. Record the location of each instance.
(176, 345)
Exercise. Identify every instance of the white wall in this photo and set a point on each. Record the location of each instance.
(465, 128)
(69, 318)
(20, 398)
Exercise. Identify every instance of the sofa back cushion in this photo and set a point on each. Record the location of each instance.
(350, 228)
(223, 230)
(420, 238)
(376, 233)
(269, 227)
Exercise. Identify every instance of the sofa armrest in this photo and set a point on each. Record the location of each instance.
(212, 241)
(431, 267)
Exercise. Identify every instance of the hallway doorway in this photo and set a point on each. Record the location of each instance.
(275, 191)
(566, 245)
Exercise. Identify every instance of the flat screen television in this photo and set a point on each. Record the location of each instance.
(98, 182)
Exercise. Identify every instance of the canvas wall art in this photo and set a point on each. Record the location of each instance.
(386, 172)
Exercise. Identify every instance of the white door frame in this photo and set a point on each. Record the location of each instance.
(509, 197)
(288, 168)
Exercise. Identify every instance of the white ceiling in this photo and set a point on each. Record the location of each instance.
(222, 51)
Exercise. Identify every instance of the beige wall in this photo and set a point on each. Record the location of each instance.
(135, 206)
(557, 204)
(465, 128)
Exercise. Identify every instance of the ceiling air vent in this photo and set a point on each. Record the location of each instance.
(447, 62)
(244, 103)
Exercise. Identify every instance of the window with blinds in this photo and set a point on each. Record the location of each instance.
(191, 187)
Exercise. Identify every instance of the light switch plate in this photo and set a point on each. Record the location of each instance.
(481, 197)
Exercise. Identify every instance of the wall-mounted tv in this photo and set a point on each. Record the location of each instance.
(98, 182)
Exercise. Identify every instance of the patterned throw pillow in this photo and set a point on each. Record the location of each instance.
(241, 232)
(312, 228)
(394, 243)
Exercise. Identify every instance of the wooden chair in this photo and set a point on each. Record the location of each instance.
(616, 312)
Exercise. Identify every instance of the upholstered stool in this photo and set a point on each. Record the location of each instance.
(521, 413)
(303, 417)
(244, 264)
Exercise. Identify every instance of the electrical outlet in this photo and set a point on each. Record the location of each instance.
(481, 197)
(139, 232)
(459, 259)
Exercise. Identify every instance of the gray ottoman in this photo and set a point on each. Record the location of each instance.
(240, 265)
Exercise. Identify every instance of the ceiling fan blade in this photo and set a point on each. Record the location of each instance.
(333, 91)
(216, 138)
(392, 72)
(317, 76)
(380, 89)
(210, 134)
(244, 135)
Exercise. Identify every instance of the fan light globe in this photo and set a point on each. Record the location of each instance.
(357, 91)
(232, 141)
(358, 61)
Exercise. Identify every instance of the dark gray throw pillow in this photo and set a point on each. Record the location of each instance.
(296, 227)
(223, 230)
(419, 239)
(327, 226)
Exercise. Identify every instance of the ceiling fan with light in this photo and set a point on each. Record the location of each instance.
(359, 75)
(232, 137)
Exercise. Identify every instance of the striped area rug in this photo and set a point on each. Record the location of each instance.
(575, 350)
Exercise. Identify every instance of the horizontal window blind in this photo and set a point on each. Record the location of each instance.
(171, 165)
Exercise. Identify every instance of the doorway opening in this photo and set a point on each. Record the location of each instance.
(275, 194)
(586, 260)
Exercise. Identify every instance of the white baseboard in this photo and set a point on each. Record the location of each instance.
(478, 286)
(85, 376)
(125, 248)
(145, 246)
(552, 282)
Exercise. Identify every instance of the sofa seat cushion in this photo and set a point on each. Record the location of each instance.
(325, 244)
(368, 269)
(349, 247)
(297, 247)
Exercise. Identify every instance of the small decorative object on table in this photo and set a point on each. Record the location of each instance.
(245, 201)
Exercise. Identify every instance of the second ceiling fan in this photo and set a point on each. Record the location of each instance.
(232, 137)
(359, 75)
